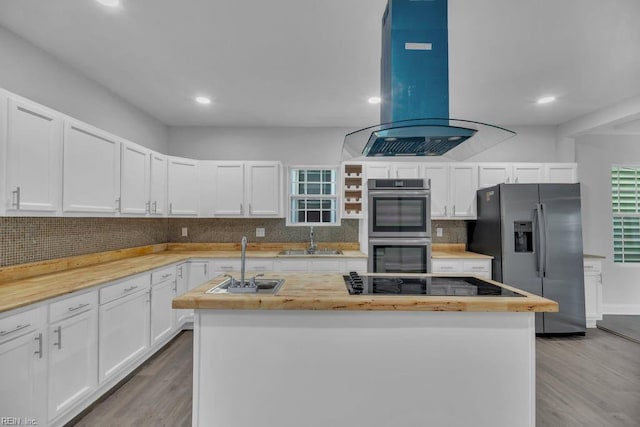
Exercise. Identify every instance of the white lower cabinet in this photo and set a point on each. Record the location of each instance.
(162, 315)
(592, 291)
(123, 325)
(23, 367)
(478, 267)
(182, 315)
(72, 352)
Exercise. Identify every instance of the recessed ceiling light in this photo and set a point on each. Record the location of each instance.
(109, 3)
(546, 99)
(375, 100)
(203, 100)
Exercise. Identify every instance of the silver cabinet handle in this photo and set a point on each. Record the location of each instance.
(58, 331)
(241, 209)
(454, 210)
(170, 208)
(147, 206)
(445, 267)
(149, 295)
(226, 267)
(155, 206)
(130, 289)
(78, 307)
(205, 269)
(39, 350)
(507, 181)
(516, 179)
(249, 208)
(259, 268)
(16, 329)
(118, 205)
(445, 210)
(16, 201)
(477, 267)
(164, 276)
(180, 272)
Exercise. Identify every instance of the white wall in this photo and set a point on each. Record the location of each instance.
(32, 73)
(595, 154)
(291, 145)
(324, 145)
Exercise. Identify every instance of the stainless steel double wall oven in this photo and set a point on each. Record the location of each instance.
(399, 226)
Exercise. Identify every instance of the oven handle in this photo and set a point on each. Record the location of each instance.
(396, 193)
(400, 241)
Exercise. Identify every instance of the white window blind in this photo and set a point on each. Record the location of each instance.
(625, 198)
(313, 196)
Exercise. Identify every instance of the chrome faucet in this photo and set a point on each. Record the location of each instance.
(243, 255)
(312, 244)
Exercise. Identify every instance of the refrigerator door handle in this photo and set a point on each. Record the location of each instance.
(538, 237)
(545, 255)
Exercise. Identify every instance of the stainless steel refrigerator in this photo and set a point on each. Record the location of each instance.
(534, 233)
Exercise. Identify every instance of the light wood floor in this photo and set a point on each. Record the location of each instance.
(581, 382)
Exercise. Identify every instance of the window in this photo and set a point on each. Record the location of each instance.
(313, 196)
(625, 198)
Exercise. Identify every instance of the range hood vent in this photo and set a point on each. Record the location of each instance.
(414, 84)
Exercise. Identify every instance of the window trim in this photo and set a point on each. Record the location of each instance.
(622, 215)
(290, 197)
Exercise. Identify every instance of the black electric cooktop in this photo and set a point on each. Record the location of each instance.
(428, 286)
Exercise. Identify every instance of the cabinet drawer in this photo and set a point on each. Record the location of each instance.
(446, 266)
(359, 265)
(127, 287)
(592, 267)
(72, 306)
(167, 273)
(22, 323)
(293, 265)
(476, 266)
(226, 265)
(259, 265)
(326, 265)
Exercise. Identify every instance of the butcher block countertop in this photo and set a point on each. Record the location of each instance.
(327, 291)
(26, 284)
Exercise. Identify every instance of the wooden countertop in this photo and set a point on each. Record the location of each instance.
(326, 291)
(27, 284)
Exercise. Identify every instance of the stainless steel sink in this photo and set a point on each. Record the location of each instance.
(307, 252)
(265, 286)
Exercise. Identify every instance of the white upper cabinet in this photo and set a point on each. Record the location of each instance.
(229, 189)
(561, 173)
(463, 179)
(405, 170)
(207, 178)
(528, 173)
(34, 162)
(490, 174)
(91, 169)
(263, 189)
(183, 186)
(438, 174)
(245, 189)
(158, 184)
(134, 187)
(378, 170)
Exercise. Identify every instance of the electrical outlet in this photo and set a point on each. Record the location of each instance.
(259, 232)
(438, 232)
(185, 231)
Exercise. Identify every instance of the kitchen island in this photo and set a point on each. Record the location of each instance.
(314, 355)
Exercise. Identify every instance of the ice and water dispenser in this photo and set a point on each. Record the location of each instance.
(523, 236)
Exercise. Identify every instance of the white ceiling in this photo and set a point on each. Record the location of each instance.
(315, 63)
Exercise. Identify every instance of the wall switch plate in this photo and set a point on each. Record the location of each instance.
(185, 232)
(438, 232)
(259, 232)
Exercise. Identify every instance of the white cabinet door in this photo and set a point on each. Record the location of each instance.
(463, 187)
(34, 162)
(123, 333)
(73, 361)
(183, 186)
(405, 170)
(263, 189)
(135, 177)
(182, 271)
(162, 314)
(561, 173)
(23, 384)
(528, 173)
(229, 189)
(490, 174)
(377, 170)
(207, 188)
(198, 273)
(158, 190)
(91, 169)
(438, 173)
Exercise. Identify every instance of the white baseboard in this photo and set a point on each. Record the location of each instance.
(621, 309)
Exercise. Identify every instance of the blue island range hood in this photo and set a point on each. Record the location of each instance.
(414, 85)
